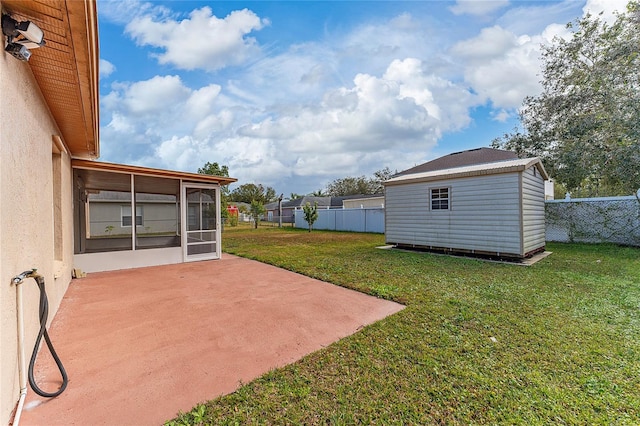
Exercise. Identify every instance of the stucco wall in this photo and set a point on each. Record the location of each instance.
(27, 211)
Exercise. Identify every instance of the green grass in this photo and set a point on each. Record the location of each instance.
(479, 342)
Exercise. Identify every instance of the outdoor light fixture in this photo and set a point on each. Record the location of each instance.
(21, 36)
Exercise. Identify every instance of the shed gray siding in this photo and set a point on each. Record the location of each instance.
(533, 218)
(484, 215)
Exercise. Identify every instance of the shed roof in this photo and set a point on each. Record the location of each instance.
(463, 158)
(497, 167)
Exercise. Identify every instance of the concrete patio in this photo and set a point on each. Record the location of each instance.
(141, 345)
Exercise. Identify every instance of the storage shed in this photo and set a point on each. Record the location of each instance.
(494, 208)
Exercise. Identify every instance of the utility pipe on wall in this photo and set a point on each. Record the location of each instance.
(22, 365)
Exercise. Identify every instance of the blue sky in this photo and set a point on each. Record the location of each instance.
(295, 94)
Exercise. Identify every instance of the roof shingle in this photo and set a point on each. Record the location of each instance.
(462, 159)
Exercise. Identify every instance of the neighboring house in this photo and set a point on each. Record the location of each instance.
(50, 185)
(487, 208)
(347, 201)
(110, 215)
(364, 202)
(289, 207)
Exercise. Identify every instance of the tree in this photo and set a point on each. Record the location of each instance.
(214, 169)
(251, 192)
(318, 193)
(351, 186)
(585, 125)
(293, 196)
(257, 209)
(310, 213)
(359, 185)
(380, 177)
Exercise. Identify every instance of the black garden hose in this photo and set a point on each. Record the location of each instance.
(44, 313)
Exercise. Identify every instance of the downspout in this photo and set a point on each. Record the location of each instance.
(17, 280)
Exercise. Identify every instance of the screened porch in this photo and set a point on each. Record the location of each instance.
(126, 216)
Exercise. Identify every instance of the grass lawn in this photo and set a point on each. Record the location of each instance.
(479, 342)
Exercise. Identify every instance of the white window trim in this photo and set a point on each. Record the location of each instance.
(138, 214)
(438, 188)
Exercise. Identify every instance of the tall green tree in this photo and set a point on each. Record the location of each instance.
(380, 177)
(351, 186)
(215, 169)
(585, 125)
(359, 185)
(249, 192)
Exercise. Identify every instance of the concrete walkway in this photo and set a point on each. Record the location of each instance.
(140, 345)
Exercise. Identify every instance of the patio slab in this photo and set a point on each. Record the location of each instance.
(141, 345)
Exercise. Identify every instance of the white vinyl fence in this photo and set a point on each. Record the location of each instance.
(354, 220)
(594, 220)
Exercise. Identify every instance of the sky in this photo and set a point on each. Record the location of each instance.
(296, 94)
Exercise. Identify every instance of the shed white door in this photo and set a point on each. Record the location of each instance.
(201, 239)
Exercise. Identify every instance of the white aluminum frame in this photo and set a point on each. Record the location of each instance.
(184, 219)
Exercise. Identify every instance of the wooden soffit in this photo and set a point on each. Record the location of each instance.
(66, 68)
(151, 172)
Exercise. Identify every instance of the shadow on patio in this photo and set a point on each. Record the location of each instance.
(140, 345)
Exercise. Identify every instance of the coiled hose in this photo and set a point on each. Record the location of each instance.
(44, 314)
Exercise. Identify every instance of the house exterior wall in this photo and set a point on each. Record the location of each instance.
(156, 218)
(363, 203)
(35, 216)
(105, 214)
(533, 210)
(484, 215)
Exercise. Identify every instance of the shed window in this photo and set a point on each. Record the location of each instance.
(440, 199)
(126, 216)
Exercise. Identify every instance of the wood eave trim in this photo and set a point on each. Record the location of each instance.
(147, 171)
(83, 22)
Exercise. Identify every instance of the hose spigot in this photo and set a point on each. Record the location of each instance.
(18, 279)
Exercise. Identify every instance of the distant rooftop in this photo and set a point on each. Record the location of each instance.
(324, 202)
(461, 159)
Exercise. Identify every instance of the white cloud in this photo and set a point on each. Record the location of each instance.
(382, 94)
(502, 116)
(501, 67)
(202, 41)
(532, 18)
(178, 151)
(403, 109)
(123, 11)
(145, 113)
(503, 64)
(154, 96)
(477, 7)
(106, 68)
(491, 43)
(406, 109)
(606, 7)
